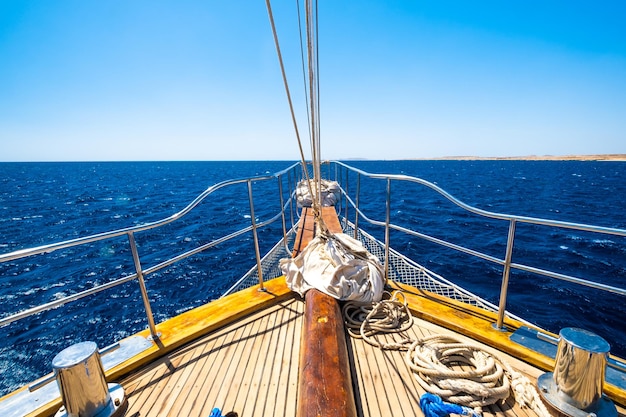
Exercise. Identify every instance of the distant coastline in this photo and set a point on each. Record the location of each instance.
(598, 157)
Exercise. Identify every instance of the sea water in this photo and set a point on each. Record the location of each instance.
(42, 203)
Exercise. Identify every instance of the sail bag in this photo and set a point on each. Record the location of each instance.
(329, 193)
(337, 265)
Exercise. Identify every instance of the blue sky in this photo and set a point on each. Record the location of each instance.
(199, 80)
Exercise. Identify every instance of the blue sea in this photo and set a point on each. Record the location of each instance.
(43, 203)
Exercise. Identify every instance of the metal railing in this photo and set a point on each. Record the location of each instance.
(341, 174)
(351, 199)
(291, 175)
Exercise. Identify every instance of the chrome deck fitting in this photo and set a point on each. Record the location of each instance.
(80, 377)
(575, 386)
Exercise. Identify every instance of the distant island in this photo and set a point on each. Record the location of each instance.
(599, 157)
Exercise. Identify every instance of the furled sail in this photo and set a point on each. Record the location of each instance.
(328, 191)
(337, 265)
(333, 263)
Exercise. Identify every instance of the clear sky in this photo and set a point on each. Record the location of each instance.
(199, 79)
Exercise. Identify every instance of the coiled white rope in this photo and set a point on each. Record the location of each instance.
(387, 316)
(436, 362)
(458, 372)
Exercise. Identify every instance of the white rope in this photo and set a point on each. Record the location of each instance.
(435, 361)
(382, 318)
(525, 393)
(458, 372)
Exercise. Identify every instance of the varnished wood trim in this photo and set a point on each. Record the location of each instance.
(325, 387)
(307, 227)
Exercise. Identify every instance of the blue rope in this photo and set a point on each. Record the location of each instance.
(216, 412)
(433, 406)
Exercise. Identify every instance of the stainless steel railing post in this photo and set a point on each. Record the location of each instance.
(505, 276)
(291, 189)
(282, 206)
(255, 237)
(142, 286)
(356, 211)
(387, 221)
(345, 216)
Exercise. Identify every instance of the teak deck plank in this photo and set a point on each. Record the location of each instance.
(192, 389)
(259, 380)
(246, 380)
(268, 385)
(225, 370)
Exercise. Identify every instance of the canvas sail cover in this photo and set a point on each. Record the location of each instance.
(329, 193)
(337, 265)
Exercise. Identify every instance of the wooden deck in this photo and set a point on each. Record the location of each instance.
(251, 367)
(385, 385)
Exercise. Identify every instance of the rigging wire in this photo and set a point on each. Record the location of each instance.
(317, 73)
(313, 54)
(315, 188)
(304, 81)
(314, 91)
(286, 84)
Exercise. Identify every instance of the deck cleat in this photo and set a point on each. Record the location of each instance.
(80, 377)
(575, 386)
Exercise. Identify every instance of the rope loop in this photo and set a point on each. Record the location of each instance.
(456, 371)
(386, 317)
(433, 406)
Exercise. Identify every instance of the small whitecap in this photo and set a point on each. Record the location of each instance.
(603, 241)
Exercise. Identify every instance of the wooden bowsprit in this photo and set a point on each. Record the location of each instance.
(325, 385)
